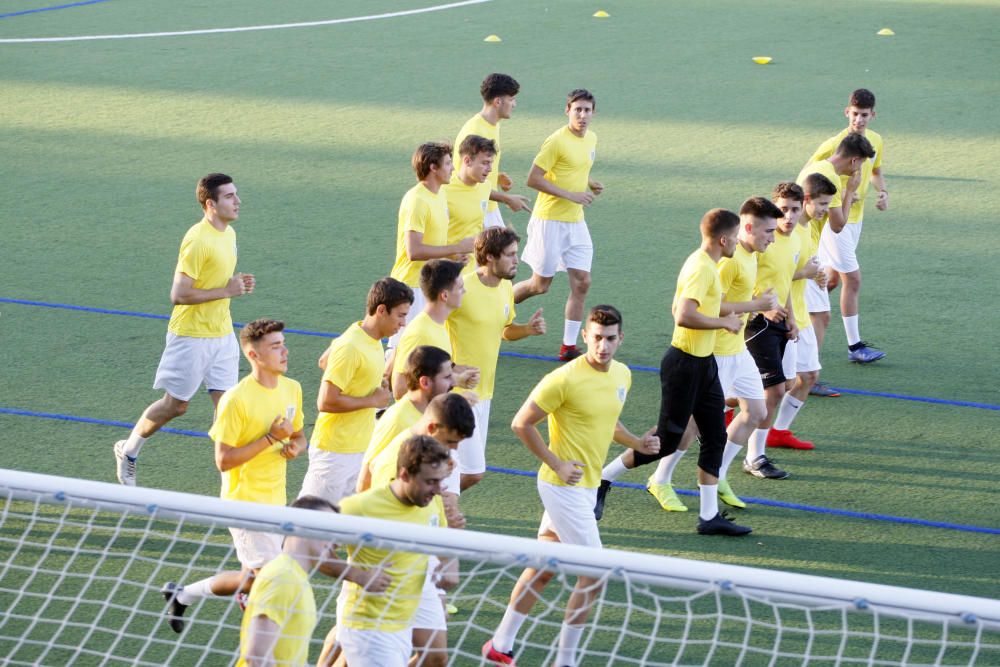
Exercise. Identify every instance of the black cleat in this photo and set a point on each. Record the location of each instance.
(763, 468)
(721, 524)
(602, 494)
(175, 610)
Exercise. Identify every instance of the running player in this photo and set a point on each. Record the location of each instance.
(352, 389)
(689, 375)
(558, 238)
(376, 629)
(476, 327)
(201, 346)
(258, 428)
(468, 194)
(841, 248)
(583, 401)
(499, 92)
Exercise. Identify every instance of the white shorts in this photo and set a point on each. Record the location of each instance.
(374, 647)
(419, 301)
(556, 246)
(788, 361)
(493, 219)
(187, 362)
(430, 614)
(331, 475)
(841, 249)
(817, 298)
(472, 451)
(569, 513)
(806, 352)
(453, 483)
(255, 549)
(739, 376)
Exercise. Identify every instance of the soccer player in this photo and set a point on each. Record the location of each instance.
(422, 231)
(442, 286)
(558, 238)
(476, 327)
(499, 92)
(689, 376)
(468, 194)
(428, 374)
(841, 248)
(376, 629)
(257, 429)
(352, 389)
(280, 615)
(201, 347)
(582, 401)
(738, 374)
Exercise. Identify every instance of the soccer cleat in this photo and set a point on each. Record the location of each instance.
(863, 353)
(727, 496)
(495, 656)
(602, 494)
(126, 466)
(569, 353)
(721, 524)
(666, 496)
(450, 609)
(175, 610)
(763, 468)
(823, 389)
(730, 415)
(777, 437)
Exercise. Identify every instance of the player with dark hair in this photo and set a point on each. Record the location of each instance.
(201, 347)
(468, 193)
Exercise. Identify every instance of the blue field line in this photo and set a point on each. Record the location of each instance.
(532, 473)
(515, 355)
(52, 8)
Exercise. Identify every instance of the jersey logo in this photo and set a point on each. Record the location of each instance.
(234, 248)
(435, 521)
(506, 310)
(621, 394)
(593, 155)
(795, 260)
(483, 204)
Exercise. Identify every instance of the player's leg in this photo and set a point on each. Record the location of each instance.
(331, 475)
(472, 451)
(740, 379)
(780, 434)
(586, 591)
(660, 483)
(375, 647)
(766, 342)
(430, 626)
(577, 257)
(541, 253)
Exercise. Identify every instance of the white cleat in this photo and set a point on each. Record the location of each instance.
(126, 466)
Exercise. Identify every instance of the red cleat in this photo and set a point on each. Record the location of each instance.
(779, 438)
(495, 656)
(569, 353)
(730, 416)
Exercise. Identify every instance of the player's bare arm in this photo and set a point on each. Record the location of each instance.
(418, 251)
(767, 300)
(537, 181)
(184, 293)
(595, 186)
(514, 202)
(647, 443)
(374, 581)
(525, 427)
(332, 399)
(686, 315)
(262, 636)
(228, 457)
(535, 326)
(808, 270)
(878, 180)
(294, 446)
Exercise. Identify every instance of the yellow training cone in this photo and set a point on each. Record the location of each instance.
(492, 38)
(885, 32)
(762, 60)
(601, 14)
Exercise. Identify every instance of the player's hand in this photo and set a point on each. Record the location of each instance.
(471, 396)
(503, 180)
(281, 428)
(596, 187)
(517, 203)
(820, 277)
(793, 331)
(650, 442)
(570, 472)
(882, 203)
(732, 323)
(236, 286)
(767, 300)
(537, 323)
(854, 181)
(375, 581)
(452, 514)
(812, 267)
(292, 449)
(777, 314)
(467, 378)
(249, 282)
(582, 198)
(381, 397)
(467, 246)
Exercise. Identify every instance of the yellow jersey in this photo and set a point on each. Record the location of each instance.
(776, 266)
(566, 160)
(737, 277)
(422, 330)
(385, 464)
(245, 414)
(208, 257)
(806, 250)
(826, 168)
(393, 609)
(476, 328)
(480, 126)
(355, 364)
(467, 206)
(420, 211)
(583, 405)
(400, 416)
(698, 281)
(281, 591)
(829, 147)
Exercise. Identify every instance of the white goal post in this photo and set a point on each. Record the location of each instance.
(82, 563)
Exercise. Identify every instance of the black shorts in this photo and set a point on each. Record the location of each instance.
(766, 342)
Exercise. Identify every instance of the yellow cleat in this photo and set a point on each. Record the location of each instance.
(451, 609)
(664, 494)
(727, 496)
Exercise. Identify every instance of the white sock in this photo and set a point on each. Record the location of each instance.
(195, 591)
(571, 329)
(728, 456)
(665, 469)
(134, 443)
(506, 633)
(569, 640)
(709, 501)
(851, 328)
(613, 470)
(790, 407)
(757, 444)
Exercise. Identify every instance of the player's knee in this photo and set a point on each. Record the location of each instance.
(809, 378)
(539, 286)
(469, 480)
(175, 408)
(581, 283)
(434, 658)
(756, 413)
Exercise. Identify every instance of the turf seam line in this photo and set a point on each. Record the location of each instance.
(52, 8)
(251, 28)
(530, 473)
(515, 355)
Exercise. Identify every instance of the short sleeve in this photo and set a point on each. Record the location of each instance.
(824, 151)
(191, 258)
(275, 600)
(548, 154)
(695, 285)
(550, 393)
(341, 366)
(415, 214)
(298, 423)
(729, 271)
(879, 155)
(511, 311)
(228, 425)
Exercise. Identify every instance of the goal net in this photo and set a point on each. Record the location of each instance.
(82, 564)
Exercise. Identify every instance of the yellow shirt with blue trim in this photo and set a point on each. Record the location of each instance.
(566, 160)
(698, 281)
(208, 257)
